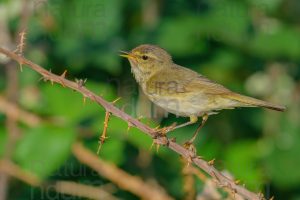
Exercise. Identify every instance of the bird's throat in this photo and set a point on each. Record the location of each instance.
(141, 76)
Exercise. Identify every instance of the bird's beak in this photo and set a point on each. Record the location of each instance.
(127, 55)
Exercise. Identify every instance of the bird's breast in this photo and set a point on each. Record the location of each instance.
(182, 105)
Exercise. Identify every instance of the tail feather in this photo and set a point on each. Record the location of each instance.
(249, 101)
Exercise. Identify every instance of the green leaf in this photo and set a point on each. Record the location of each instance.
(282, 162)
(91, 19)
(69, 104)
(112, 150)
(227, 21)
(241, 159)
(186, 37)
(44, 149)
(108, 60)
(282, 42)
(266, 5)
(140, 139)
(3, 140)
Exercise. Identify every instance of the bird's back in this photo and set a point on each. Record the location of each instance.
(185, 92)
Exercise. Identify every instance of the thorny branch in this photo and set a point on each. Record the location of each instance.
(15, 171)
(83, 190)
(15, 112)
(122, 179)
(221, 179)
(12, 92)
(103, 137)
(63, 187)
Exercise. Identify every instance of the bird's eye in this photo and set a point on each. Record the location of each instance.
(145, 57)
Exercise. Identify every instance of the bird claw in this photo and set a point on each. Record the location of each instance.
(160, 138)
(192, 149)
(159, 141)
(164, 130)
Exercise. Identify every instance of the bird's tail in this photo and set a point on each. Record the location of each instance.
(249, 102)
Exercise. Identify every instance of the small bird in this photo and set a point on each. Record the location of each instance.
(182, 91)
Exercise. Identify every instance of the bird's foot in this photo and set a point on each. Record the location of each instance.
(160, 136)
(159, 140)
(192, 149)
(164, 130)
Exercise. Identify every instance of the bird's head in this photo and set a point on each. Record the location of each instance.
(147, 59)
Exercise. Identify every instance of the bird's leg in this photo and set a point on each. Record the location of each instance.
(193, 120)
(189, 144)
(204, 119)
(162, 132)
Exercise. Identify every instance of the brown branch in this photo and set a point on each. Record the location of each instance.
(15, 112)
(188, 181)
(64, 187)
(15, 171)
(12, 89)
(81, 190)
(121, 178)
(221, 179)
(103, 137)
(210, 190)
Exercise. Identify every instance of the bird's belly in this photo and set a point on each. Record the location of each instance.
(181, 106)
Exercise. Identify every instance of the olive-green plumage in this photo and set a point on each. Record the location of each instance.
(180, 90)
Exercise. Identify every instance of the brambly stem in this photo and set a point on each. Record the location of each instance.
(221, 179)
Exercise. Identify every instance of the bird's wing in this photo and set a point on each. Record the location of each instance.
(180, 80)
(195, 87)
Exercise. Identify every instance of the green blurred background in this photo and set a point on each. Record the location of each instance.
(250, 46)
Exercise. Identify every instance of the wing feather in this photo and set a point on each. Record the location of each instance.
(183, 80)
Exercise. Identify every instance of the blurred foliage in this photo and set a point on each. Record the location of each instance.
(251, 46)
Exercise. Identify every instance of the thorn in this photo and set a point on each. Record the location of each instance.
(80, 82)
(233, 191)
(151, 146)
(211, 162)
(101, 142)
(156, 128)
(42, 78)
(129, 126)
(45, 79)
(84, 100)
(63, 75)
(62, 83)
(117, 99)
(154, 142)
(173, 139)
(237, 182)
(260, 195)
(272, 198)
(199, 157)
(189, 161)
(158, 140)
(52, 82)
(157, 148)
(103, 137)
(140, 118)
(191, 148)
(21, 67)
(21, 45)
(99, 148)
